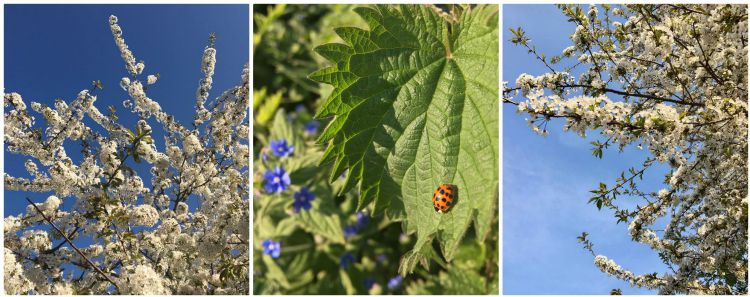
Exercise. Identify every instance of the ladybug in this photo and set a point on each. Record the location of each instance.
(443, 197)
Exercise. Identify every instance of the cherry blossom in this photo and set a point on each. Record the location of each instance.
(671, 80)
(127, 232)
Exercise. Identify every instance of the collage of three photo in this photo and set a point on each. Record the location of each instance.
(375, 149)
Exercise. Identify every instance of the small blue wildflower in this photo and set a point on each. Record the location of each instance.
(369, 282)
(281, 148)
(272, 248)
(346, 260)
(381, 258)
(350, 230)
(302, 199)
(276, 180)
(394, 282)
(311, 127)
(362, 220)
(300, 108)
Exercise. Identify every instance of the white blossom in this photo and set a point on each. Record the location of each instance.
(144, 215)
(136, 224)
(15, 282)
(151, 79)
(142, 280)
(675, 86)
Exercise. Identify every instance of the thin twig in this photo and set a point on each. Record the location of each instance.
(96, 268)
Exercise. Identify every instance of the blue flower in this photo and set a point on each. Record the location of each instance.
(276, 180)
(369, 282)
(394, 282)
(362, 220)
(350, 230)
(281, 148)
(381, 258)
(300, 108)
(272, 248)
(346, 259)
(302, 199)
(311, 127)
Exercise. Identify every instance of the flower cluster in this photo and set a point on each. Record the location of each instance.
(186, 232)
(674, 85)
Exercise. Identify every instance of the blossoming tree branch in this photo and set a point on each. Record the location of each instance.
(121, 236)
(672, 80)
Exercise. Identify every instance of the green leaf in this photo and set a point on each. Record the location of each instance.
(285, 227)
(346, 281)
(265, 106)
(282, 129)
(131, 135)
(470, 255)
(415, 105)
(322, 219)
(305, 167)
(463, 282)
(274, 272)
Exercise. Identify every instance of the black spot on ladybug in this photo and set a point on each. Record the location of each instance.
(436, 208)
(448, 203)
(442, 191)
(443, 199)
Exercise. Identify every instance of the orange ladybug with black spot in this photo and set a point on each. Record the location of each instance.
(444, 197)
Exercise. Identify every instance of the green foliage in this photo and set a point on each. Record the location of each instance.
(415, 105)
(283, 40)
(587, 244)
(314, 242)
(265, 106)
(519, 36)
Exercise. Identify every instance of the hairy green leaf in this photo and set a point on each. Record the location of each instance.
(265, 106)
(415, 105)
(322, 219)
(467, 282)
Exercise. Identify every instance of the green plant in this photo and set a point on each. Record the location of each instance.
(313, 233)
(408, 116)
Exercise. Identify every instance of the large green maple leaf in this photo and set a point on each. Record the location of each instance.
(415, 105)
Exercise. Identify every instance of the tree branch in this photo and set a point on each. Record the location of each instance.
(96, 268)
(645, 96)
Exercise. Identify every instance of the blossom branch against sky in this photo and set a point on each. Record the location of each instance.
(135, 199)
(670, 81)
(540, 252)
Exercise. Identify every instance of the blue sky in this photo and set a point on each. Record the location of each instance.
(546, 183)
(55, 51)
